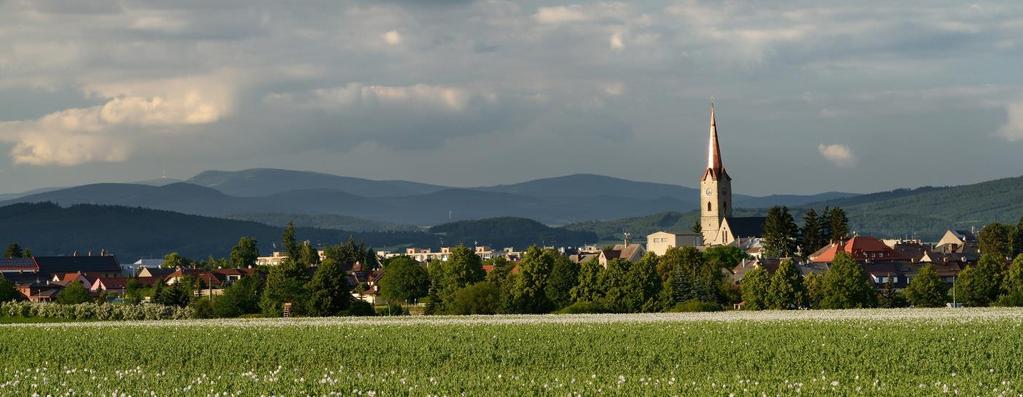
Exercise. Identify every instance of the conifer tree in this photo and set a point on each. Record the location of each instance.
(811, 233)
(838, 225)
(781, 235)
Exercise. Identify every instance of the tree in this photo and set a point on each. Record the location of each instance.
(781, 235)
(241, 297)
(1012, 285)
(502, 276)
(309, 255)
(996, 239)
(786, 290)
(926, 289)
(133, 291)
(615, 282)
(980, 285)
(697, 227)
(838, 225)
(724, 256)
(244, 253)
(825, 226)
(644, 285)
(846, 285)
(178, 294)
(74, 293)
(564, 276)
(1017, 238)
(8, 291)
(329, 293)
(479, 298)
(589, 288)
(687, 275)
(290, 243)
(13, 251)
(813, 238)
(754, 287)
(812, 282)
(285, 283)
(462, 268)
(889, 297)
(174, 260)
(404, 280)
(529, 294)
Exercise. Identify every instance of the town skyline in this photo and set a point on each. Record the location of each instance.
(869, 97)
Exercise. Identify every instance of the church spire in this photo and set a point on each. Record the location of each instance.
(713, 150)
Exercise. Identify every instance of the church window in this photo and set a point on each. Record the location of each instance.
(708, 206)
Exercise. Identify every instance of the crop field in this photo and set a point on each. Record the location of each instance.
(854, 352)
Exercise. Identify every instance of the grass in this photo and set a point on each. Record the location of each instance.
(861, 352)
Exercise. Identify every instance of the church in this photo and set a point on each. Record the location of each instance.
(717, 224)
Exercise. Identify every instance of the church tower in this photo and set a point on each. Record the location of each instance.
(715, 190)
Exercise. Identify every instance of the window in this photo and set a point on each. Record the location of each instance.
(708, 206)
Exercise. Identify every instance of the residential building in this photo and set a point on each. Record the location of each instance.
(630, 253)
(859, 248)
(660, 242)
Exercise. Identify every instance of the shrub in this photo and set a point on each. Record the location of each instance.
(583, 307)
(359, 307)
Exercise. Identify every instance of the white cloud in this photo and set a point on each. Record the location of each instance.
(104, 133)
(1013, 129)
(392, 38)
(560, 14)
(839, 155)
(355, 94)
(616, 42)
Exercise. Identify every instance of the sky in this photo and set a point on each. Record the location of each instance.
(811, 96)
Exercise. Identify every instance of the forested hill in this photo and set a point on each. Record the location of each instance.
(132, 233)
(928, 211)
(924, 212)
(510, 232)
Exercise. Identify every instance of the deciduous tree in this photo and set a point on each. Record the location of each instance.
(786, 290)
(404, 280)
(846, 285)
(244, 253)
(926, 289)
(754, 286)
(329, 292)
(980, 285)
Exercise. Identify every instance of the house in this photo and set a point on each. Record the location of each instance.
(958, 242)
(155, 272)
(859, 248)
(629, 253)
(39, 292)
(110, 285)
(132, 269)
(898, 273)
(85, 278)
(660, 242)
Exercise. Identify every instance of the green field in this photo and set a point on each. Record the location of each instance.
(855, 352)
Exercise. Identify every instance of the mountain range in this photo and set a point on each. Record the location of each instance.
(254, 192)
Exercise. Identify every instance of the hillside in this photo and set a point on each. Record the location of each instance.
(248, 193)
(131, 233)
(266, 181)
(510, 232)
(926, 212)
(325, 221)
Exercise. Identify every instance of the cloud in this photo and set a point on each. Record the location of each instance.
(616, 42)
(560, 14)
(106, 133)
(1012, 130)
(392, 38)
(360, 95)
(839, 155)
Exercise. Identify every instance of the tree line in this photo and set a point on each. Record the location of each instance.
(784, 239)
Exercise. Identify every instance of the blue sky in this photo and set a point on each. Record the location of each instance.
(811, 96)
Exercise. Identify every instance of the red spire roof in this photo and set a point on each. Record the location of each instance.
(715, 167)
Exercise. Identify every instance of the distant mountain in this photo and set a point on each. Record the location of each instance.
(266, 181)
(510, 232)
(158, 182)
(589, 185)
(132, 233)
(325, 221)
(553, 201)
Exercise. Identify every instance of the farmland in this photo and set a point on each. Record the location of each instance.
(852, 352)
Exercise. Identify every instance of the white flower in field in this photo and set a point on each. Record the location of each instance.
(834, 383)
